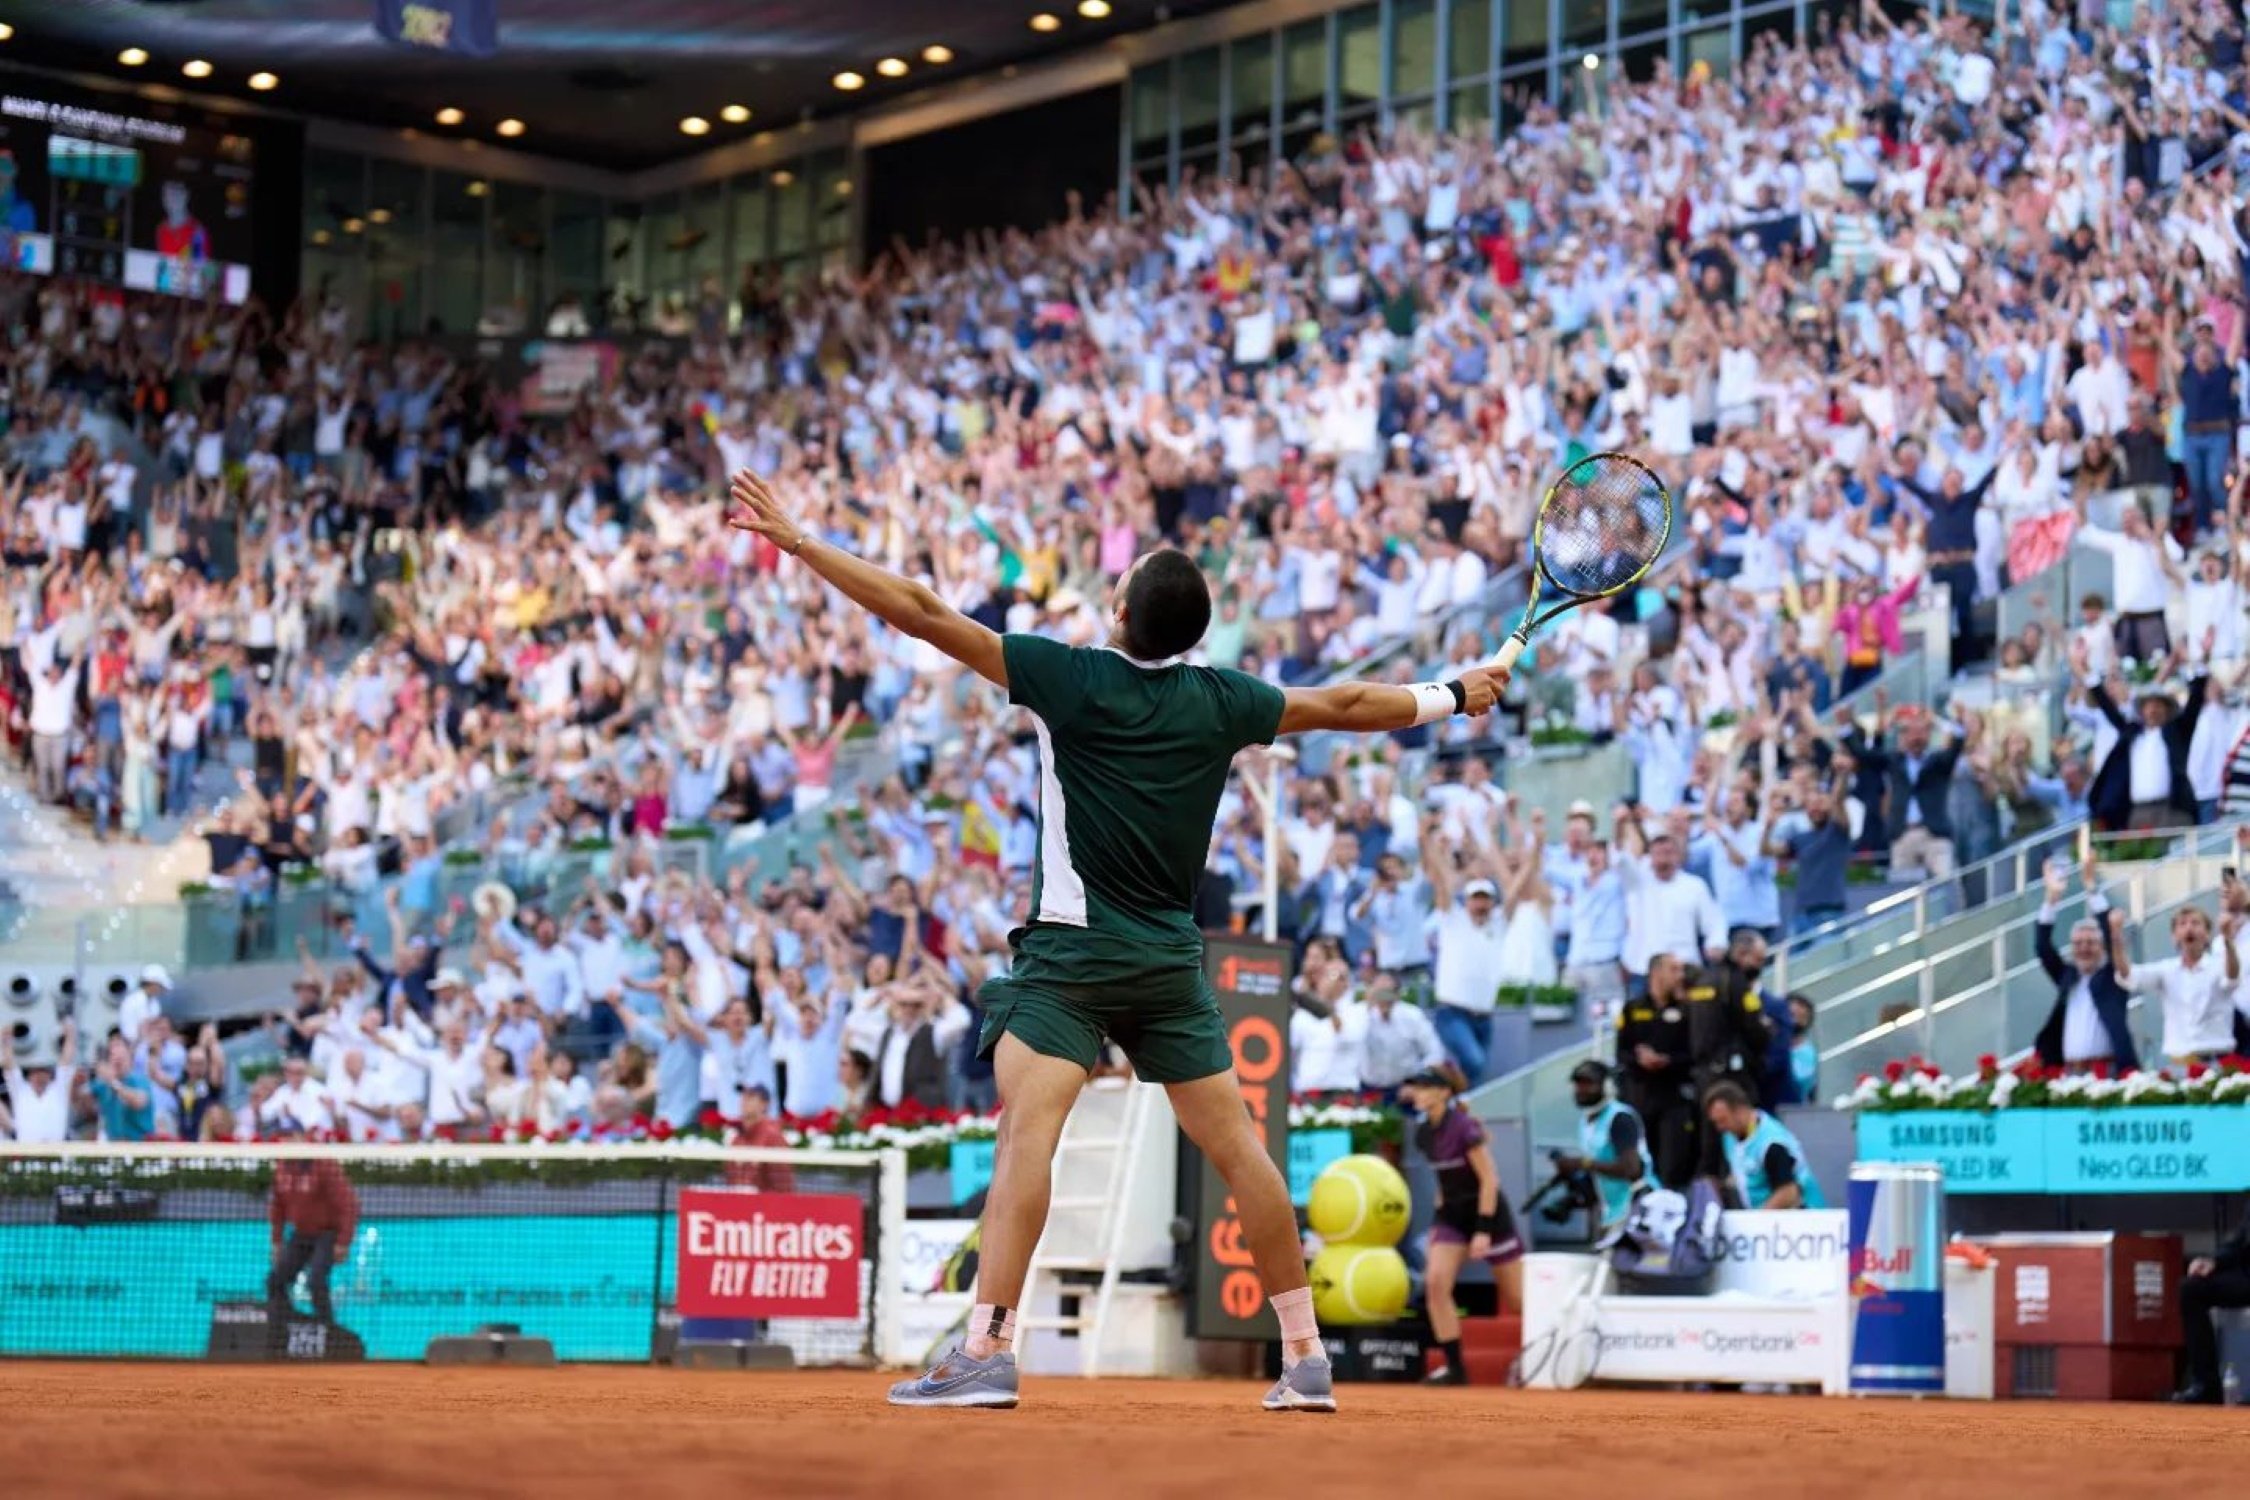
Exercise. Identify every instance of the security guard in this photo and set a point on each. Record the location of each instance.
(1727, 1034)
(1653, 1073)
(1611, 1143)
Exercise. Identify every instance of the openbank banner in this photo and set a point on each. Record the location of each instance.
(592, 1284)
(1790, 1255)
(2159, 1149)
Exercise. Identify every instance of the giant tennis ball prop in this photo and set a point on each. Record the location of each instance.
(1360, 1200)
(1359, 1286)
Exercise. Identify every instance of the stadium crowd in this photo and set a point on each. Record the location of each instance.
(1903, 314)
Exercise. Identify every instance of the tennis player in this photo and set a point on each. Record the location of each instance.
(1134, 746)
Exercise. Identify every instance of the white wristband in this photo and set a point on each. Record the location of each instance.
(1432, 701)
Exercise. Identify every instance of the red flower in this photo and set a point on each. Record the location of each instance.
(2101, 1069)
(1988, 1065)
(2196, 1070)
(711, 1119)
(661, 1130)
(1894, 1070)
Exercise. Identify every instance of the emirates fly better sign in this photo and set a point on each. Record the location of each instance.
(769, 1255)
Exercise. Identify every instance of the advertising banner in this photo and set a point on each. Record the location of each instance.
(2141, 1149)
(1790, 1254)
(1251, 980)
(1310, 1153)
(769, 1255)
(466, 28)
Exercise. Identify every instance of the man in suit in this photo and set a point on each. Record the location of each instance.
(1917, 789)
(925, 1020)
(2144, 781)
(2088, 1022)
(2220, 1279)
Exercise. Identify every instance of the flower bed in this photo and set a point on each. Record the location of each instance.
(1917, 1085)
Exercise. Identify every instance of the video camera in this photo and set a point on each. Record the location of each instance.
(1570, 1191)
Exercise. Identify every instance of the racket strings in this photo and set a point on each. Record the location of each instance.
(1604, 522)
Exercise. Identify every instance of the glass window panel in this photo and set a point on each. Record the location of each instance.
(519, 246)
(577, 253)
(1413, 47)
(1585, 23)
(1637, 16)
(1694, 11)
(792, 223)
(1250, 100)
(1640, 59)
(457, 243)
(1304, 68)
(1152, 106)
(1525, 36)
(1713, 47)
(335, 187)
(627, 272)
(1780, 24)
(1359, 42)
(832, 202)
(1469, 43)
(752, 217)
(667, 251)
(1470, 110)
(1199, 100)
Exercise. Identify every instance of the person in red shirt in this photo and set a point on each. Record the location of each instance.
(760, 1129)
(314, 1212)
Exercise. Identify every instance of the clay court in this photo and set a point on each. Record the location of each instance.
(188, 1430)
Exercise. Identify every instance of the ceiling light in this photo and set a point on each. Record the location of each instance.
(449, 116)
(322, 236)
(196, 67)
(695, 125)
(1094, 10)
(843, 187)
(848, 80)
(510, 128)
(6, 31)
(892, 67)
(1045, 22)
(354, 226)
(784, 177)
(132, 57)
(736, 114)
(478, 187)
(378, 216)
(1592, 62)
(263, 82)
(937, 54)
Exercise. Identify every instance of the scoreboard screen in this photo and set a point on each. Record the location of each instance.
(152, 205)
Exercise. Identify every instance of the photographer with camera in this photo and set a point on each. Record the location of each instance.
(1611, 1156)
(1652, 1069)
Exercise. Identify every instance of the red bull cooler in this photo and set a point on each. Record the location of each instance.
(1897, 1249)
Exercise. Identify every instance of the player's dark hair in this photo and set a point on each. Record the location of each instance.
(1167, 606)
(1726, 1091)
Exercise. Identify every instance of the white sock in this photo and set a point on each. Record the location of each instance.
(1300, 1330)
(992, 1330)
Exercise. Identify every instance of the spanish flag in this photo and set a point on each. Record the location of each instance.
(980, 837)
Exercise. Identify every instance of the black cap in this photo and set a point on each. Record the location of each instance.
(1592, 1070)
(1429, 1078)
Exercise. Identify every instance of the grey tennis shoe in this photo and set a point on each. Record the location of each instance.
(1307, 1385)
(957, 1379)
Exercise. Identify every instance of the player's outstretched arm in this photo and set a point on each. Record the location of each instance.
(899, 602)
(1376, 707)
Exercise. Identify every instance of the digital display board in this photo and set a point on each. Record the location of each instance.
(117, 196)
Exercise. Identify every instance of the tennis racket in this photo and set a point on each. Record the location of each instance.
(1602, 525)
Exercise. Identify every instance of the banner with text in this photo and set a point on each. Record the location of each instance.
(2153, 1149)
(466, 28)
(1251, 980)
(769, 1255)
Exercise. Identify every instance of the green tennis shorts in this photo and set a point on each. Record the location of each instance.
(1167, 1022)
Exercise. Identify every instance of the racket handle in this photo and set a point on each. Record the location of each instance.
(1510, 649)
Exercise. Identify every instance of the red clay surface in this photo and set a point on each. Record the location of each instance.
(187, 1430)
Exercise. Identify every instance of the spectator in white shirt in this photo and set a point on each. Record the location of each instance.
(737, 1055)
(550, 970)
(142, 1001)
(1328, 1029)
(39, 1095)
(360, 1098)
(456, 1076)
(1399, 1040)
(2197, 987)
(54, 700)
(1469, 932)
(1667, 910)
(2145, 574)
(299, 1098)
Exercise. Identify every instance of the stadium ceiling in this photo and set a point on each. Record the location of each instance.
(604, 82)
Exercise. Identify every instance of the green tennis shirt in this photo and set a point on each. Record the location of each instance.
(1133, 759)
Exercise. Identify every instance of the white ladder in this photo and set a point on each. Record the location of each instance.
(1084, 1137)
